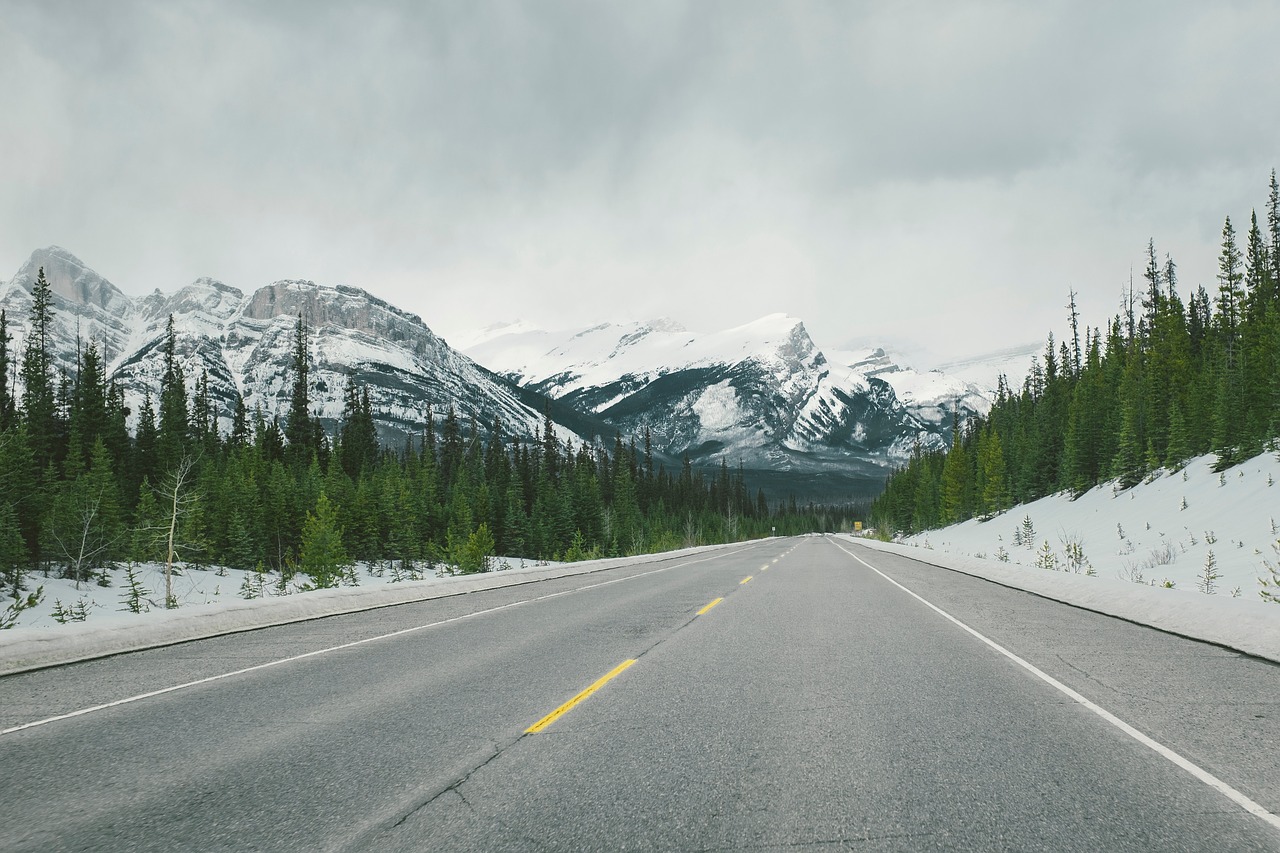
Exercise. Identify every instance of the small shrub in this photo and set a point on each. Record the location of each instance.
(9, 616)
(1206, 581)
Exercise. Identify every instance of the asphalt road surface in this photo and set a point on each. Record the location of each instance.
(777, 696)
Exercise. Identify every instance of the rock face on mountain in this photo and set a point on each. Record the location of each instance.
(86, 306)
(763, 394)
(243, 344)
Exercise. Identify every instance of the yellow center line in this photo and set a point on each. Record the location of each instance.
(568, 706)
(744, 580)
(709, 606)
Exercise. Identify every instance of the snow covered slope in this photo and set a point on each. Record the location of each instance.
(984, 370)
(1161, 531)
(243, 343)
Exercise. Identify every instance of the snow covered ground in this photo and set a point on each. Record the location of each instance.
(195, 590)
(213, 602)
(1159, 533)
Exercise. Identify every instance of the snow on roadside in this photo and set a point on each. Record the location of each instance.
(33, 648)
(1159, 533)
(1247, 625)
(196, 590)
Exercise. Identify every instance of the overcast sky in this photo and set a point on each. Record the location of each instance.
(927, 174)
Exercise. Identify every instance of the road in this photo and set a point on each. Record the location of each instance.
(791, 693)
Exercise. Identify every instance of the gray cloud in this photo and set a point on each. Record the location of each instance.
(934, 172)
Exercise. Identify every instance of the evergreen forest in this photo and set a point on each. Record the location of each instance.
(1165, 380)
(83, 492)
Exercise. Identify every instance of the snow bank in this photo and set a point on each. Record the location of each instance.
(1249, 626)
(24, 649)
(1160, 531)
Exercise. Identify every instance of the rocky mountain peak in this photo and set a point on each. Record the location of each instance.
(71, 281)
(243, 345)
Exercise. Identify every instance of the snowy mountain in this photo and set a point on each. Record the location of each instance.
(818, 424)
(763, 393)
(243, 343)
(983, 371)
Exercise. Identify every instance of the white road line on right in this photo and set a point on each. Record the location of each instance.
(1186, 764)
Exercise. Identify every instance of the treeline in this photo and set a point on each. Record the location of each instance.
(81, 492)
(1165, 381)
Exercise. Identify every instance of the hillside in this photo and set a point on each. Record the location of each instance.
(1159, 532)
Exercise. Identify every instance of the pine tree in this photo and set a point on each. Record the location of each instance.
(6, 393)
(358, 436)
(1179, 449)
(1152, 298)
(239, 436)
(134, 595)
(1207, 580)
(299, 432)
(995, 495)
(1230, 289)
(955, 483)
(323, 555)
(174, 427)
(1127, 467)
(85, 529)
(38, 400)
(89, 415)
(476, 554)
(1074, 317)
(13, 553)
(1273, 228)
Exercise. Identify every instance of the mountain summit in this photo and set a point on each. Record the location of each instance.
(242, 343)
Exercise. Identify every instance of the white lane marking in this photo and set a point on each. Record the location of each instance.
(1186, 764)
(352, 644)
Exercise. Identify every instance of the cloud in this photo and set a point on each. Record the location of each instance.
(939, 172)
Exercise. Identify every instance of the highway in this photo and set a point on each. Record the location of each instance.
(805, 693)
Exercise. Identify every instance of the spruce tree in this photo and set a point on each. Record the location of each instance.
(1230, 289)
(954, 485)
(1273, 228)
(1179, 449)
(13, 553)
(6, 393)
(38, 394)
(358, 435)
(995, 490)
(299, 432)
(174, 426)
(323, 555)
(146, 443)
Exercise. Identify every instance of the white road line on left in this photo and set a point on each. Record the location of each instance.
(317, 652)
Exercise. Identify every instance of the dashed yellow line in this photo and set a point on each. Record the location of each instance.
(745, 580)
(709, 606)
(568, 706)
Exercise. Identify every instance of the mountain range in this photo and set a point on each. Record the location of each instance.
(763, 395)
(819, 424)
